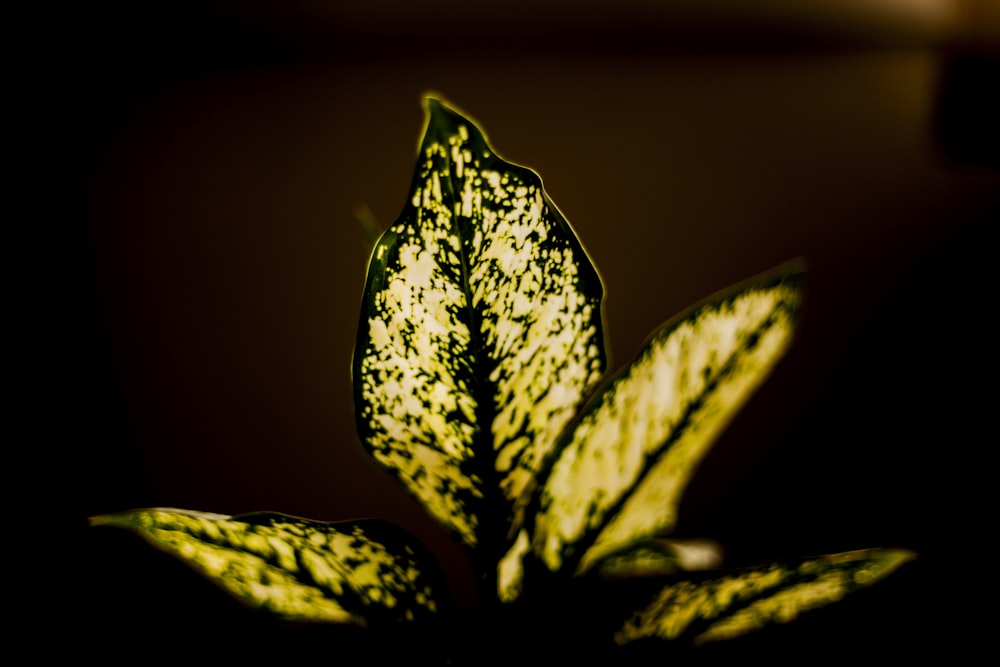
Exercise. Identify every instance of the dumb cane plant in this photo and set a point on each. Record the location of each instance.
(479, 382)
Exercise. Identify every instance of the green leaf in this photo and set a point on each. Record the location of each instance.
(725, 607)
(619, 472)
(480, 333)
(364, 573)
(662, 556)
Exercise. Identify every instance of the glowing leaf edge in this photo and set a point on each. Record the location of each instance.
(481, 333)
(727, 604)
(641, 436)
(365, 572)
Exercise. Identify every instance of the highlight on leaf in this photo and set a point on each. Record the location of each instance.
(365, 572)
(619, 471)
(477, 377)
(739, 602)
(662, 556)
(481, 331)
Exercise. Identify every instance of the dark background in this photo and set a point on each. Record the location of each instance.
(195, 173)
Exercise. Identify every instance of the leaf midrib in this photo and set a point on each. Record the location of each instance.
(572, 562)
(489, 532)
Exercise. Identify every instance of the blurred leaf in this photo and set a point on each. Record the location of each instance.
(365, 573)
(371, 229)
(619, 472)
(662, 557)
(480, 333)
(735, 603)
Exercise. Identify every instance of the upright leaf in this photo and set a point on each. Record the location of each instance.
(480, 332)
(365, 572)
(619, 472)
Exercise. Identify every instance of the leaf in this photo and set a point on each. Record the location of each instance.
(480, 332)
(662, 556)
(740, 602)
(618, 474)
(365, 572)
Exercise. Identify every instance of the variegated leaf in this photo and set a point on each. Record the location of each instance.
(664, 556)
(480, 332)
(363, 573)
(619, 472)
(739, 602)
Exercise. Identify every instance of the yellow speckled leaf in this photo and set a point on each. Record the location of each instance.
(740, 602)
(364, 573)
(480, 332)
(662, 557)
(619, 472)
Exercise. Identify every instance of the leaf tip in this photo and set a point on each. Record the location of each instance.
(444, 118)
(435, 103)
(105, 519)
(897, 557)
(791, 272)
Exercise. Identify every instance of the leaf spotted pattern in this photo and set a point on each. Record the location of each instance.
(354, 572)
(620, 471)
(739, 602)
(480, 331)
(480, 348)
